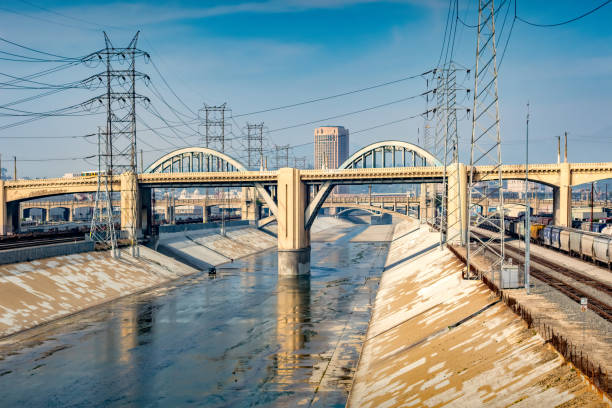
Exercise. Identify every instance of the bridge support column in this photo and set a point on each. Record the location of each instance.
(562, 198)
(9, 213)
(457, 206)
(130, 205)
(249, 209)
(293, 238)
(145, 219)
(46, 214)
(205, 213)
(423, 203)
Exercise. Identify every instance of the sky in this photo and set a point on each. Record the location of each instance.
(256, 55)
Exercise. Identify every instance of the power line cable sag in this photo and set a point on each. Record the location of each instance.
(350, 113)
(325, 98)
(571, 20)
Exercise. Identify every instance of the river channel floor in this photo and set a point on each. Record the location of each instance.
(243, 338)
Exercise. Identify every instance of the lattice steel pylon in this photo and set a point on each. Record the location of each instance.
(486, 147)
(214, 126)
(439, 142)
(299, 162)
(429, 143)
(120, 136)
(102, 229)
(453, 227)
(255, 145)
(281, 157)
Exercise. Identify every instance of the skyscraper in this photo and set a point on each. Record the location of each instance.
(331, 144)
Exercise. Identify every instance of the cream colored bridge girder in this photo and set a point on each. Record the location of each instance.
(359, 160)
(187, 167)
(207, 160)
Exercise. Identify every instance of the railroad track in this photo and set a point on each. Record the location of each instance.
(537, 271)
(577, 276)
(38, 242)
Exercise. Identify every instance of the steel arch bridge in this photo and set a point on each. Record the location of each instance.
(203, 159)
(386, 154)
(375, 155)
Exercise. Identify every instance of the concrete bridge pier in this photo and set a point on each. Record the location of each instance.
(205, 213)
(423, 203)
(562, 198)
(249, 208)
(457, 206)
(130, 205)
(293, 238)
(145, 218)
(9, 213)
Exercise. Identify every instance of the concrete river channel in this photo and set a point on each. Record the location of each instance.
(243, 338)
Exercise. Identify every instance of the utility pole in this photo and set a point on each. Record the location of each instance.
(141, 161)
(15, 167)
(592, 191)
(527, 207)
(565, 158)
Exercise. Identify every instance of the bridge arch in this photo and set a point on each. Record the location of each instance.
(349, 210)
(409, 153)
(366, 157)
(195, 159)
(201, 159)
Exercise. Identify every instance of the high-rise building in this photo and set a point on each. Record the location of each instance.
(331, 144)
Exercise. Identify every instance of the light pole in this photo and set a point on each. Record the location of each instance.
(527, 208)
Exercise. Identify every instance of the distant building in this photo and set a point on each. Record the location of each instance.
(331, 147)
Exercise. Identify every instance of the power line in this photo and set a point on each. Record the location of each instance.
(48, 137)
(38, 51)
(571, 20)
(324, 98)
(47, 20)
(350, 113)
(49, 159)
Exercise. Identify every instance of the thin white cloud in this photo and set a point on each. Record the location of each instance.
(137, 14)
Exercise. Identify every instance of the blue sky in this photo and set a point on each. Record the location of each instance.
(260, 54)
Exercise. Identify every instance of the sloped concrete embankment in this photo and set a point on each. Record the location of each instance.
(205, 248)
(437, 340)
(37, 292)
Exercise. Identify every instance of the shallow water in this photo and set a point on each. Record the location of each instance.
(244, 338)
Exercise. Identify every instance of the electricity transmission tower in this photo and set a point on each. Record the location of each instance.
(282, 155)
(119, 153)
(299, 162)
(428, 145)
(102, 229)
(447, 150)
(453, 218)
(486, 147)
(255, 145)
(214, 126)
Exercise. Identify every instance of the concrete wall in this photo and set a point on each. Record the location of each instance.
(10, 256)
(196, 227)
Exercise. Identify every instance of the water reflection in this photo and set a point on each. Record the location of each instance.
(246, 338)
(292, 311)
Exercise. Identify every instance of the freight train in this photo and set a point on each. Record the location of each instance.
(589, 241)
